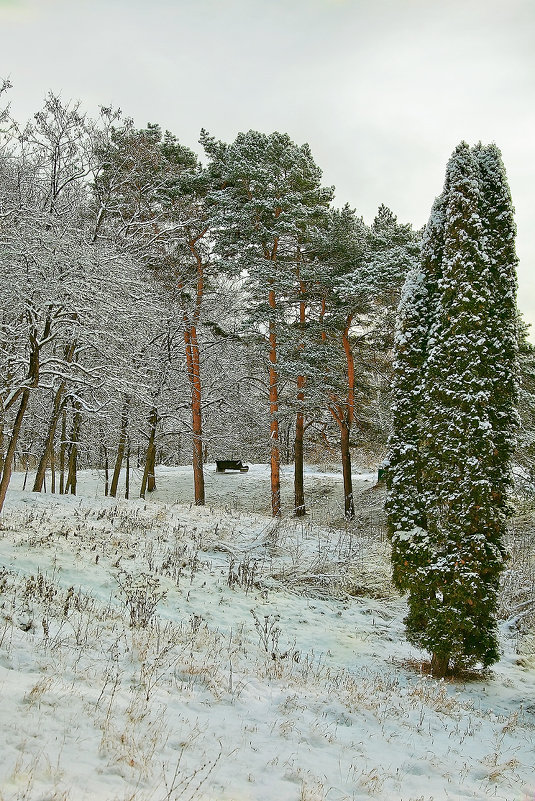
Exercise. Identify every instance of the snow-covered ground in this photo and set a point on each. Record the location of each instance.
(153, 651)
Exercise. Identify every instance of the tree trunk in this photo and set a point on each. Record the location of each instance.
(10, 453)
(343, 411)
(194, 370)
(62, 451)
(32, 381)
(48, 450)
(106, 472)
(194, 377)
(26, 470)
(53, 470)
(148, 482)
(1, 438)
(299, 488)
(73, 449)
(349, 504)
(273, 411)
(49, 441)
(439, 665)
(127, 478)
(120, 448)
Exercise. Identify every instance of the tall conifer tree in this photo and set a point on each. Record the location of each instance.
(405, 508)
(447, 512)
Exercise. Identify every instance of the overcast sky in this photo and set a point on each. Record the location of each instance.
(382, 90)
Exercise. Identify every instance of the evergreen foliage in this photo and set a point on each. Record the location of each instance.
(525, 446)
(269, 205)
(454, 415)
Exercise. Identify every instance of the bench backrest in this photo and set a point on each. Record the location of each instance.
(229, 464)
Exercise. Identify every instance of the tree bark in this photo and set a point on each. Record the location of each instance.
(120, 448)
(73, 448)
(299, 487)
(10, 453)
(194, 377)
(439, 665)
(273, 411)
(127, 477)
(1, 437)
(32, 381)
(26, 470)
(48, 447)
(148, 482)
(62, 451)
(47, 455)
(106, 472)
(343, 411)
(53, 470)
(349, 503)
(191, 343)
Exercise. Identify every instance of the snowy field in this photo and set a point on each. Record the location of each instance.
(155, 651)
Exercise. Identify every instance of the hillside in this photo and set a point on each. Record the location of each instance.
(153, 650)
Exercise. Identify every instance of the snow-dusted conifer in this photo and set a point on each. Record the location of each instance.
(404, 505)
(499, 246)
(454, 552)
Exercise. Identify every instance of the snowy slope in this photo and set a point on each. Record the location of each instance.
(267, 660)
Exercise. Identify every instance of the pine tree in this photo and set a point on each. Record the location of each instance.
(346, 292)
(270, 201)
(454, 427)
(393, 251)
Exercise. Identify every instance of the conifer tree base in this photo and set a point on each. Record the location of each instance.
(439, 665)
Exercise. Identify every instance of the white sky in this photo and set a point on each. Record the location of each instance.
(383, 90)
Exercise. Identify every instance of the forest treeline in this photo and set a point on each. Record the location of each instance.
(157, 307)
(160, 308)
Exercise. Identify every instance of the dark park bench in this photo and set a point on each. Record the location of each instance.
(231, 464)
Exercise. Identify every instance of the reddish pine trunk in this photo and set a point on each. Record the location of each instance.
(194, 377)
(273, 411)
(1, 437)
(349, 504)
(343, 412)
(345, 431)
(299, 488)
(194, 371)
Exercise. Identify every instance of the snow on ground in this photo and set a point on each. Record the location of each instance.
(153, 651)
